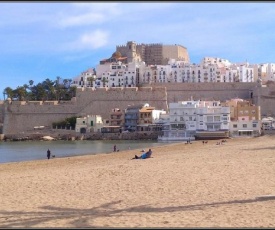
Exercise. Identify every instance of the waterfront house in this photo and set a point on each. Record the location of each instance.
(89, 124)
(245, 118)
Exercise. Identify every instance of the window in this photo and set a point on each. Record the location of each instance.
(216, 118)
(83, 122)
(92, 123)
(235, 126)
(254, 125)
(244, 125)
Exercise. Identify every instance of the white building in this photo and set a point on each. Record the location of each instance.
(212, 120)
(268, 123)
(210, 69)
(89, 124)
(85, 79)
(200, 119)
(245, 128)
(181, 124)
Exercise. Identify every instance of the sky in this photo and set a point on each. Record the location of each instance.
(40, 40)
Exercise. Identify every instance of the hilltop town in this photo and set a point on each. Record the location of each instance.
(153, 91)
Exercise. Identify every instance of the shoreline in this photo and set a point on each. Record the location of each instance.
(183, 185)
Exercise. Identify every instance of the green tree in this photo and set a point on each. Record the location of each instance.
(9, 92)
(104, 80)
(20, 93)
(91, 80)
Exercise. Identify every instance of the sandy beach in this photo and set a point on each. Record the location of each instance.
(183, 185)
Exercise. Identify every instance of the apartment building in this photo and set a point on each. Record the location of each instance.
(181, 124)
(212, 120)
(148, 117)
(245, 118)
(189, 120)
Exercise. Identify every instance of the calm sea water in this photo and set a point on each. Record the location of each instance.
(36, 150)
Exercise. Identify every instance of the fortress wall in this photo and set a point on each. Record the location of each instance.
(1, 111)
(23, 116)
(207, 91)
(20, 116)
(101, 101)
(25, 122)
(265, 97)
(34, 108)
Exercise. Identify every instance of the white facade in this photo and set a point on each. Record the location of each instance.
(89, 124)
(118, 74)
(211, 116)
(268, 123)
(210, 69)
(83, 80)
(181, 124)
(156, 115)
(187, 118)
(245, 128)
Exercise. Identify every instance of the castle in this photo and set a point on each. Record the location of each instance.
(21, 116)
(153, 54)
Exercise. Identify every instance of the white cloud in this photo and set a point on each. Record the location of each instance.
(88, 13)
(95, 39)
(88, 41)
(86, 19)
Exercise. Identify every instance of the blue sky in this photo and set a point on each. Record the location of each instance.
(40, 40)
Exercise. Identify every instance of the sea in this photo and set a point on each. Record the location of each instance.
(18, 151)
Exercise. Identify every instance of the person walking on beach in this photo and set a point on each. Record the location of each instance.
(114, 148)
(49, 154)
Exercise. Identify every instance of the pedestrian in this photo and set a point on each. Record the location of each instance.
(49, 154)
(114, 148)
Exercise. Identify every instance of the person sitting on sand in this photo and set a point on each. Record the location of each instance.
(144, 155)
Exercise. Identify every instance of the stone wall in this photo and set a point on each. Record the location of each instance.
(23, 116)
(207, 91)
(265, 97)
(101, 101)
(1, 112)
(19, 117)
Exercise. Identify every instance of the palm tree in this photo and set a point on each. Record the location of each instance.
(49, 88)
(104, 80)
(57, 88)
(20, 93)
(91, 80)
(9, 92)
(72, 91)
(30, 94)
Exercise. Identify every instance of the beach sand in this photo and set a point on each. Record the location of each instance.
(183, 185)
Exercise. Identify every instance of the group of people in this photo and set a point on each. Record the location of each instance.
(142, 156)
